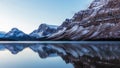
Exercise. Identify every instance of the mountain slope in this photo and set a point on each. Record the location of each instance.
(2, 34)
(18, 35)
(101, 20)
(44, 30)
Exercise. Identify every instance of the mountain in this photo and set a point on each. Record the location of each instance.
(41, 33)
(101, 20)
(44, 30)
(16, 34)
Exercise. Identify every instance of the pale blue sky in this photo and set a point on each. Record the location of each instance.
(27, 15)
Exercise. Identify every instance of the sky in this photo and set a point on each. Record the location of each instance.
(27, 15)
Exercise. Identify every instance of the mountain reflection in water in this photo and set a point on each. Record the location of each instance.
(80, 55)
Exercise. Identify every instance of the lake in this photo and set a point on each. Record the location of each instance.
(60, 54)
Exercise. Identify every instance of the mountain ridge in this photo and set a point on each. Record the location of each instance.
(100, 21)
(41, 33)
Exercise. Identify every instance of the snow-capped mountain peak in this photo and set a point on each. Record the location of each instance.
(15, 32)
(98, 3)
(45, 26)
(44, 30)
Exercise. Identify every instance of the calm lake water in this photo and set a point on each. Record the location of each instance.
(60, 54)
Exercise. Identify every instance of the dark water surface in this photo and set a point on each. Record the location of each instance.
(60, 54)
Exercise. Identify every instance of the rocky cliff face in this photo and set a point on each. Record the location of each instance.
(101, 20)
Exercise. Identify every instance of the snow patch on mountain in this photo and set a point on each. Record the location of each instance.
(44, 30)
(15, 32)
